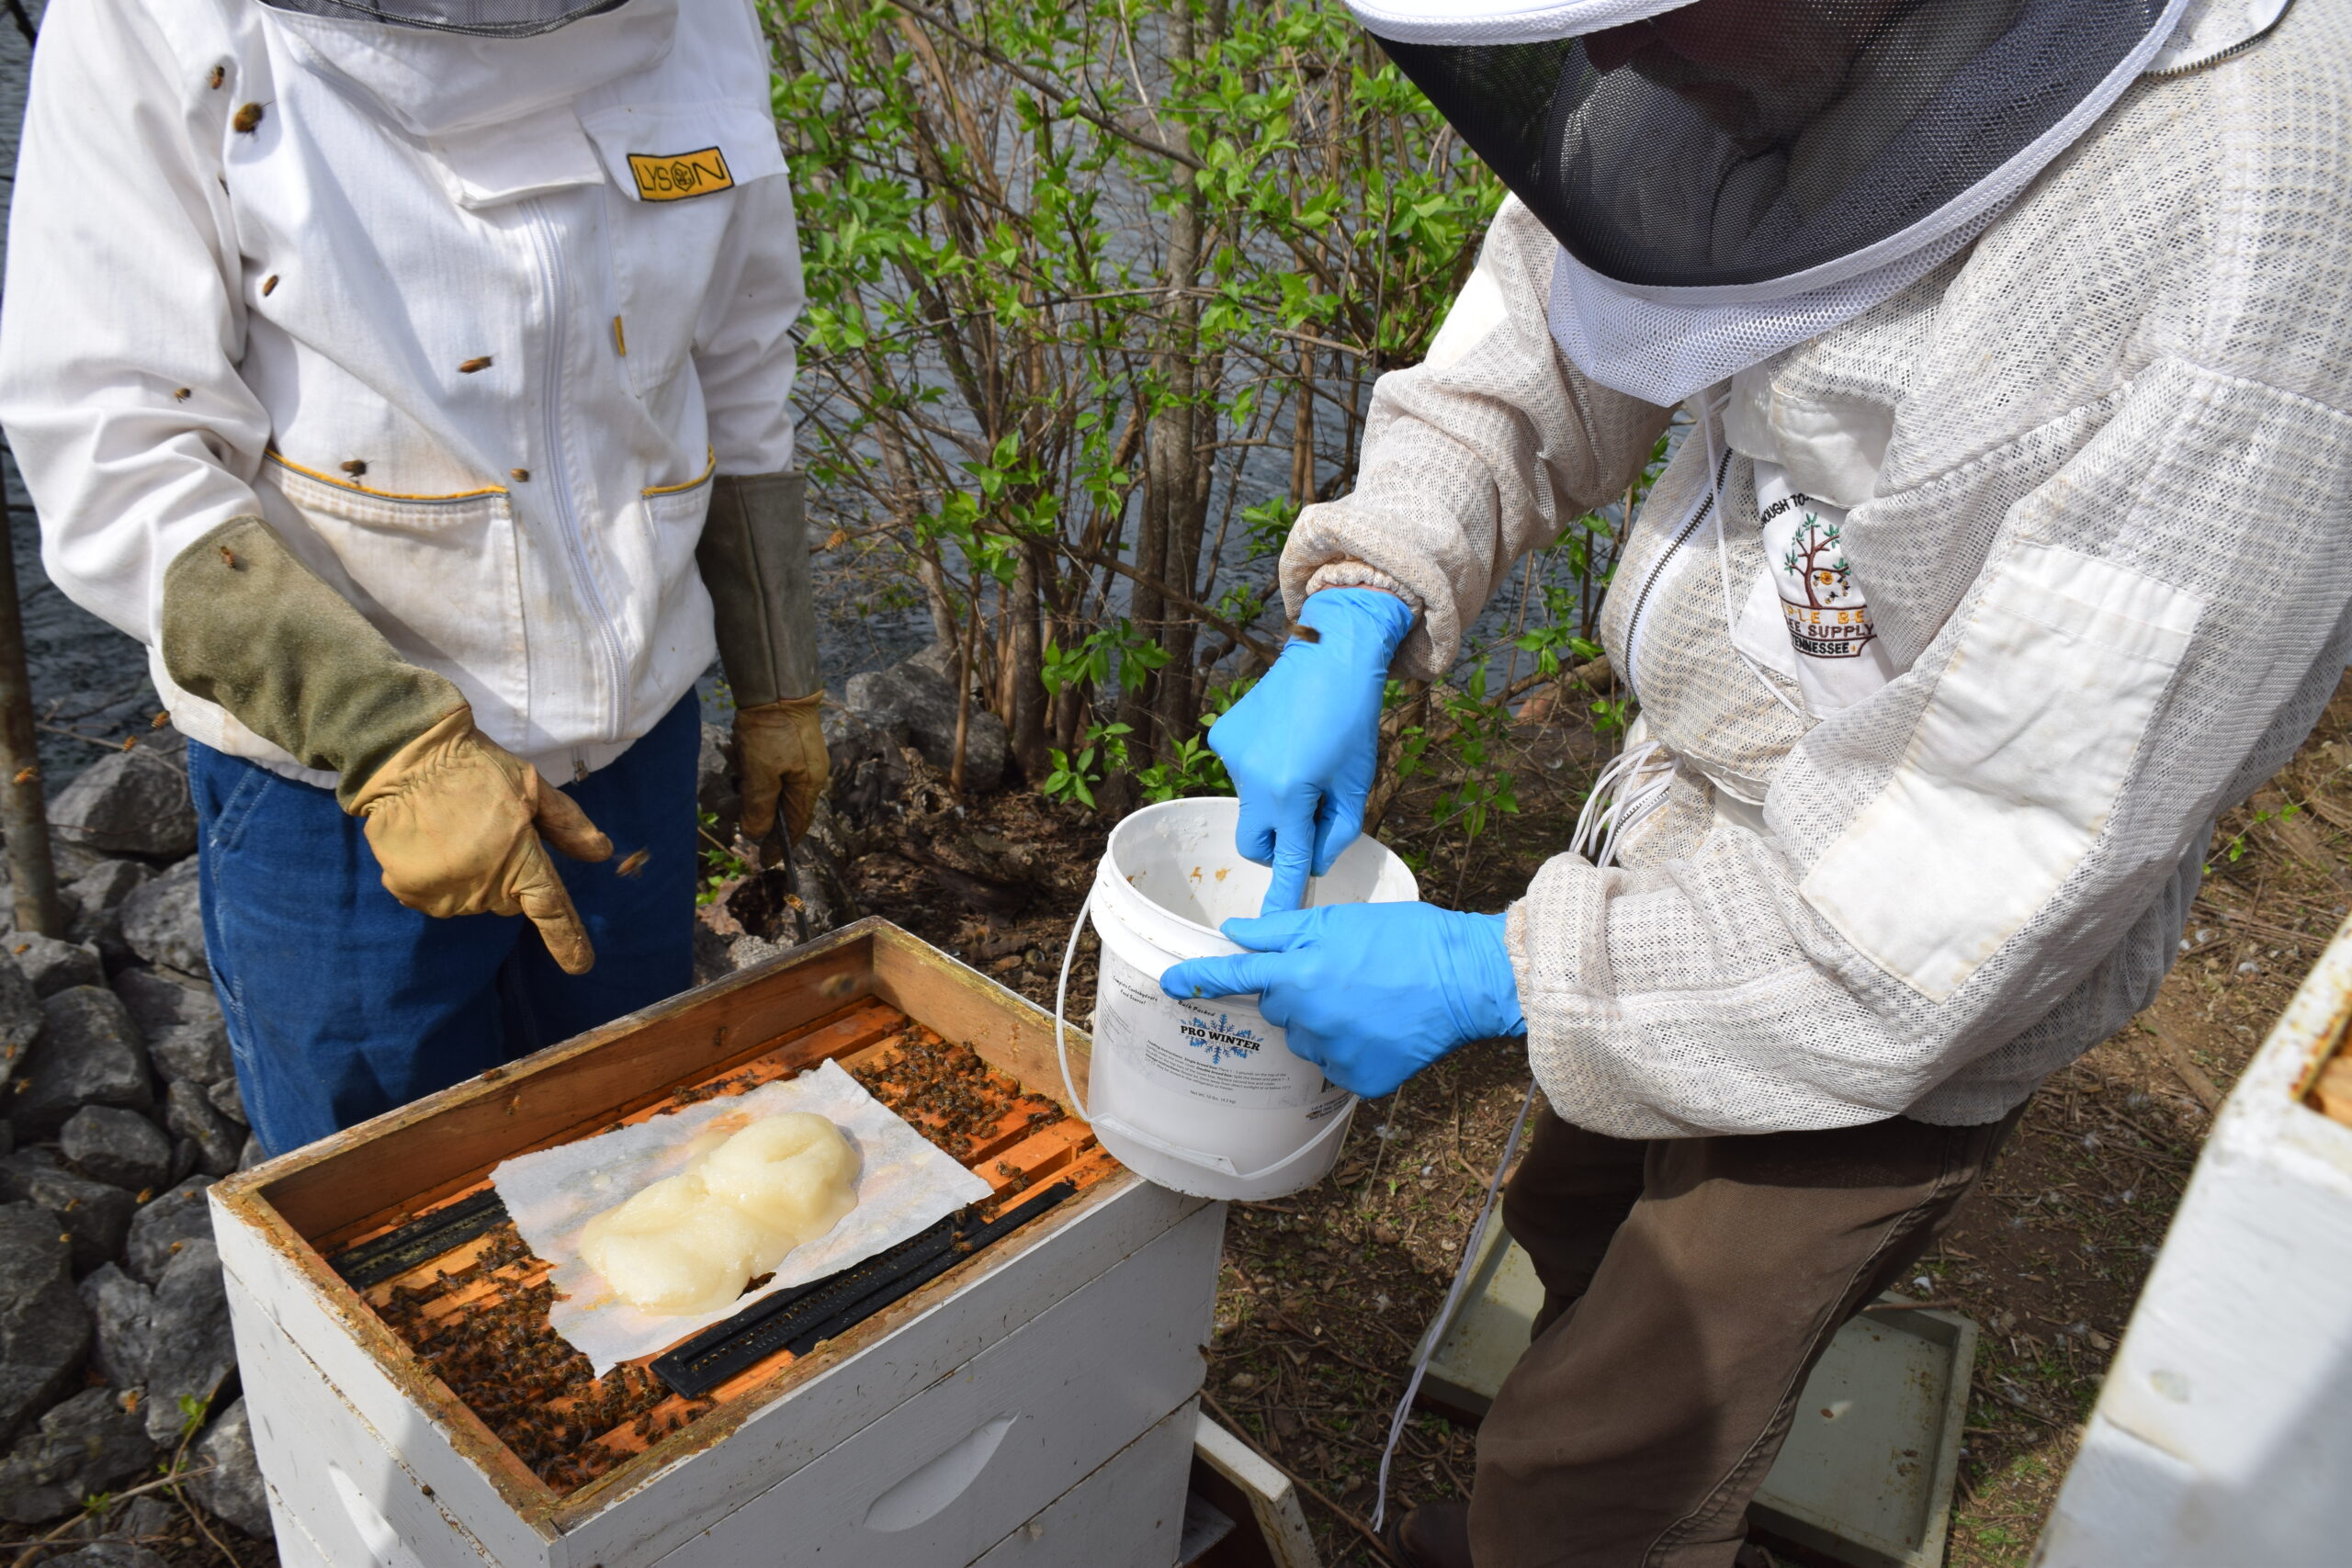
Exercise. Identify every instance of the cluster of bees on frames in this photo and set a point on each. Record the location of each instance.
(533, 1390)
(952, 1096)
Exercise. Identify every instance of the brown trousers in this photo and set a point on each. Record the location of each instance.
(1690, 1286)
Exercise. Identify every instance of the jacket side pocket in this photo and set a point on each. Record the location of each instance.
(2014, 766)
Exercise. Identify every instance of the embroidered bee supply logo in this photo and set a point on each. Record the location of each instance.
(674, 176)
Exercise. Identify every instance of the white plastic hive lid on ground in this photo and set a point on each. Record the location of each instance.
(2224, 1431)
(1034, 1408)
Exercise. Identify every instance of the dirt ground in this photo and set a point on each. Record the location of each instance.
(1324, 1295)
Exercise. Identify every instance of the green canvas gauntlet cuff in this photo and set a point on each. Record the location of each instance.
(754, 560)
(247, 626)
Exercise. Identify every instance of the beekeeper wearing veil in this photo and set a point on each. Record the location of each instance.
(2005, 548)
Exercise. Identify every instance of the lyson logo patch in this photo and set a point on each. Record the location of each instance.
(673, 176)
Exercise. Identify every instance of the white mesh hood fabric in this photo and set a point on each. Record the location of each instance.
(1663, 353)
(2124, 412)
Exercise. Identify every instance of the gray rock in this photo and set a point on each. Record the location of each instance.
(917, 704)
(88, 1444)
(160, 1231)
(110, 1554)
(229, 1098)
(99, 891)
(234, 1488)
(187, 1154)
(133, 802)
(21, 1015)
(186, 1037)
(190, 1113)
(163, 923)
(51, 966)
(143, 1518)
(117, 1145)
(43, 1330)
(715, 790)
(190, 1348)
(253, 1154)
(90, 1053)
(123, 1325)
(96, 1214)
(97, 899)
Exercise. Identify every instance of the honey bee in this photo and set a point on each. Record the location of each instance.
(247, 119)
(182, 394)
(355, 467)
(520, 475)
(635, 862)
(219, 74)
(478, 362)
(25, 776)
(229, 557)
(268, 284)
(160, 720)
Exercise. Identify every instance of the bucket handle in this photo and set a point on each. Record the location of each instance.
(1191, 1156)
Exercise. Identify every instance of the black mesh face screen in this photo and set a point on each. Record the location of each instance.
(481, 18)
(1741, 142)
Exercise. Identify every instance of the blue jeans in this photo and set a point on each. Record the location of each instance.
(342, 1004)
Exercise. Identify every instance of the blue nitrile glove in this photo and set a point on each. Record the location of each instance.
(1371, 993)
(1303, 744)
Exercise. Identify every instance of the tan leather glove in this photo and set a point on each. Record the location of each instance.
(780, 751)
(455, 819)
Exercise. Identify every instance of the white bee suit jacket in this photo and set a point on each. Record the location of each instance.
(470, 323)
(2089, 480)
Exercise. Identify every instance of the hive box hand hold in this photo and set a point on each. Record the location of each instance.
(1008, 1397)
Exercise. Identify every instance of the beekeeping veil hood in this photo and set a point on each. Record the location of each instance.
(478, 18)
(1729, 177)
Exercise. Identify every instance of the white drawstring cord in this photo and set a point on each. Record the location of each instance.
(1722, 558)
(1623, 798)
(1445, 1312)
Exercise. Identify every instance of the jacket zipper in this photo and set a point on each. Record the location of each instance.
(1657, 572)
(559, 472)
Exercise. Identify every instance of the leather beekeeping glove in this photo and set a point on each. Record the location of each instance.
(780, 747)
(1371, 993)
(1302, 743)
(454, 818)
(754, 560)
(456, 821)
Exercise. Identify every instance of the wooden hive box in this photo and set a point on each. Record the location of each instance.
(1032, 1405)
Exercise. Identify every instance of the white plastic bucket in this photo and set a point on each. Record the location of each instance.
(1203, 1095)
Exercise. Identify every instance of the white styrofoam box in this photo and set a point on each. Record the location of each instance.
(2223, 1430)
(938, 1478)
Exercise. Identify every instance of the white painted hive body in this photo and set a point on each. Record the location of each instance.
(1035, 1406)
(2223, 1430)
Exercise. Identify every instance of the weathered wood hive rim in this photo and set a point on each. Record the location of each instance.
(316, 1200)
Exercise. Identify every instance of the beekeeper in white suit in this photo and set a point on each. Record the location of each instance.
(385, 368)
(2008, 547)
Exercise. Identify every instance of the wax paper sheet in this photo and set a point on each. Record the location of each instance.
(904, 1183)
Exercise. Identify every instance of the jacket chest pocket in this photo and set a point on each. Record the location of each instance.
(674, 170)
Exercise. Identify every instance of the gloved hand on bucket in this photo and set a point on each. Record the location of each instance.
(1371, 993)
(1303, 744)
